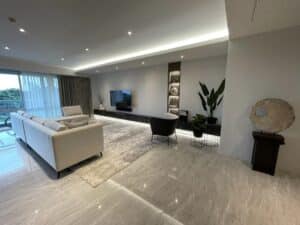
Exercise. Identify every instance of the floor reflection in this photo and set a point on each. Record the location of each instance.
(7, 138)
(11, 159)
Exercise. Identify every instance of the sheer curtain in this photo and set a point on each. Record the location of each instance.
(41, 95)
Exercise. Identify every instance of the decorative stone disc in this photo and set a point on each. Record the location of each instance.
(272, 115)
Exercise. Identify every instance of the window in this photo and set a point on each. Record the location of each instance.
(10, 96)
(41, 95)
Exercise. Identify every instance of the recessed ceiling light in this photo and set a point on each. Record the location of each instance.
(12, 19)
(62, 59)
(129, 33)
(201, 40)
(86, 49)
(143, 63)
(22, 30)
(117, 68)
(182, 56)
(6, 48)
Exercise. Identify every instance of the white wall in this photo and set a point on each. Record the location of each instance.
(21, 65)
(210, 71)
(149, 85)
(262, 66)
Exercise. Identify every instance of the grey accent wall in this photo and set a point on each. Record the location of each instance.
(149, 85)
(262, 66)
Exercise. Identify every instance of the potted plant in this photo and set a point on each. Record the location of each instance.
(211, 99)
(198, 124)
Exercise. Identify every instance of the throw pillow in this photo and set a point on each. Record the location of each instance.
(76, 123)
(38, 120)
(20, 112)
(55, 125)
(27, 115)
(72, 110)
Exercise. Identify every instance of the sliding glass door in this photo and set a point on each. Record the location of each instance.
(37, 94)
(10, 97)
(10, 101)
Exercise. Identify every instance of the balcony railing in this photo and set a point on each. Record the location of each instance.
(6, 107)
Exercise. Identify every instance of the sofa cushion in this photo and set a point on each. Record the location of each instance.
(76, 123)
(27, 115)
(70, 118)
(92, 121)
(39, 120)
(20, 112)
(55, 125)
(72, 110)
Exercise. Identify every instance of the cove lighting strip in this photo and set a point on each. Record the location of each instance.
(221, 35)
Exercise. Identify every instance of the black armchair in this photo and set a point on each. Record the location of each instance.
(163, 127)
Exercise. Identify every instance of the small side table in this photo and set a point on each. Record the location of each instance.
(265, 151)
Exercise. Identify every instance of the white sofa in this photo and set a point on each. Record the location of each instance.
(60, 149)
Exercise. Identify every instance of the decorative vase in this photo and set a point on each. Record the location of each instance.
(101, 107)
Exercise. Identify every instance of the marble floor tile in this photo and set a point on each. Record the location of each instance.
(203, 187)
(170, 185)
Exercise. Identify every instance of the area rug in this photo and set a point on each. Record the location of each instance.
(123, 144)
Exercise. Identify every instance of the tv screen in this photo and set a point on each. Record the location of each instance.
(120, 97)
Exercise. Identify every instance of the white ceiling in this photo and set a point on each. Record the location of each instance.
(200, 52)
(245, 19)
(64, 28)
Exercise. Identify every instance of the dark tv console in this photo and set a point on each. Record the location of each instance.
(214, 129)
(123, 115)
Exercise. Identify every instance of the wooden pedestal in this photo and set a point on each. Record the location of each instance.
(265, 151)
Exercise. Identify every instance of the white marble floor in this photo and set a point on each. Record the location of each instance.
(176, 184)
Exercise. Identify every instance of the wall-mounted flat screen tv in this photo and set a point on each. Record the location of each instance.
(121, 99)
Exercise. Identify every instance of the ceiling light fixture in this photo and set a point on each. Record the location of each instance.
(182, 56)
(129, 33)
(22, 30)
(86, 49)
(143, 63)
(12, 19)
(209, 38)
(6, 48)
(62, 59)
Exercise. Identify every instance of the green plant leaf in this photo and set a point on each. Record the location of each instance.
(220, 100)
(210, 99)
(204, 89)
(203, 102)
(198, 121)
(221, 88)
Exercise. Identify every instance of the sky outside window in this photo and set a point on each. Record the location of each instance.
(8, 81)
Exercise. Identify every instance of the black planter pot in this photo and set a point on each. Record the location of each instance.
(198, 133)
(212, 120)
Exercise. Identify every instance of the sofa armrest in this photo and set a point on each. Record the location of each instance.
(77, 144)
(68, 118)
